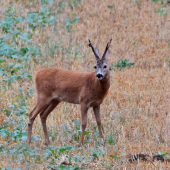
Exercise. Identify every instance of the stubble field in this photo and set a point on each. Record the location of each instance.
(136, 111)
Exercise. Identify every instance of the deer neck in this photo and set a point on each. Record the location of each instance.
(105, 82)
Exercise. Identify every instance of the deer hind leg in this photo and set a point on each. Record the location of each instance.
(96, 110)
(41, 104)
(84, 110)
(44, 114)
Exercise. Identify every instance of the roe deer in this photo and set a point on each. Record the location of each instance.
(54, 85)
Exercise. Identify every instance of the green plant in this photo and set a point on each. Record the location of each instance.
(112, 138)
(122, 63)
(76, 135)
(16, 134)
(163, 154)
(162, 1)
(161, 11)
(110, 6)
(69, 24)
(41, 17)
(97, 152)
(73, 3)
(46, 2)
(117, 157)
(9, 50)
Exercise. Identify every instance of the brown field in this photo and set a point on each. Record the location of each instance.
(137, 109)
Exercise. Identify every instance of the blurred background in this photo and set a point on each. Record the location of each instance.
(36, 34)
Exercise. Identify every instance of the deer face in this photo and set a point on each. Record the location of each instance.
(101, 67)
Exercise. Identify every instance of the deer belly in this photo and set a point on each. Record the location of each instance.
(67, 97)
(72, 100)
(96, 103)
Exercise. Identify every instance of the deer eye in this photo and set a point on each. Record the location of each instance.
(95, 67)
(105, 66)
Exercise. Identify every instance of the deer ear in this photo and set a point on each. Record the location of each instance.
(106, 57)
(97, 52)
(106, 52)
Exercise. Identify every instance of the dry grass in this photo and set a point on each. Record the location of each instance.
(137, 106)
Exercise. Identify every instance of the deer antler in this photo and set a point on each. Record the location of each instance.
(91, 45)
(107, 48)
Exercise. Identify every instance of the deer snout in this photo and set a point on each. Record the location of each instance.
(99, 76)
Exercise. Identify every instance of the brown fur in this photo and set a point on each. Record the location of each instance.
(54, 85)
(71, 86)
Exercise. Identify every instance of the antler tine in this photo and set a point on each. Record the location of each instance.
(91, 45)
(107, 48)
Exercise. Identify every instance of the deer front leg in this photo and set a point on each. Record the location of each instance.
(96, 110)
(84, 110)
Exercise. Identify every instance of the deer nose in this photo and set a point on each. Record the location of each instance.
(99, 75)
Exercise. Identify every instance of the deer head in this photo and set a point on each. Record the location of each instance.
(101, 67)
